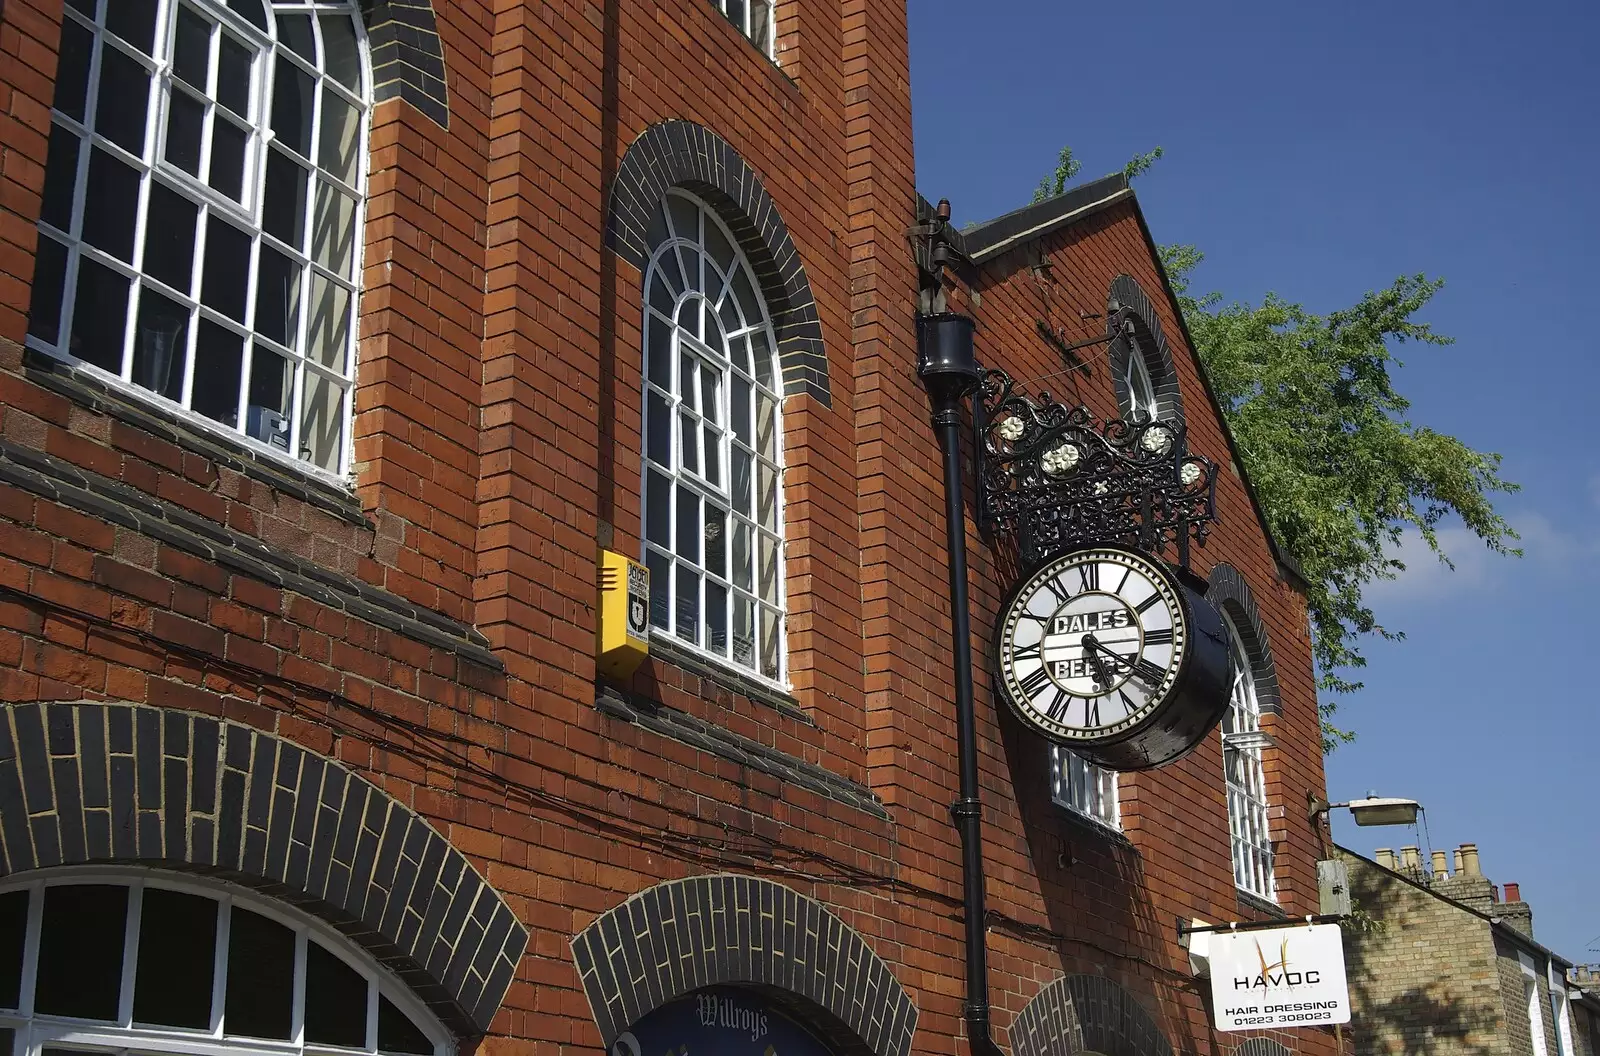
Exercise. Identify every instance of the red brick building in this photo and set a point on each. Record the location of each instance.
(336, 341)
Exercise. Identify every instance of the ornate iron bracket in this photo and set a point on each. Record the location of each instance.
(1059, 478)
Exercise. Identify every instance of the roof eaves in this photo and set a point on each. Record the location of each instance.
(986, 240)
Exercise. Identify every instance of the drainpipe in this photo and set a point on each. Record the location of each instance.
(949, 370)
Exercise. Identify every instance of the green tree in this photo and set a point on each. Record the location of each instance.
(1339, 467)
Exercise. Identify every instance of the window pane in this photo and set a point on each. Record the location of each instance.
(322, 422)
(277, 297)
(111, 205)
(743, 462)
(761, 352)
(685, 217)
(336, 1000)
(739, 412)
(218, 359)
(716, 536)
(767, 496)
(260, 988)
(661, 298)
(396, 1031)
(283, 204)
(658, 510)
(295, 31)
(716, 618)
(160, 346)
(13, 932)
(169, 238)
(291, 106)
(177, 955)
(330, 323)
(333, 236)
(712, 447)
(342, 61)
(251, 10)
(123, 98)
(228, 143)
(735, 12)
(60, 178)
(718, 245)
(80, 951)
(688, 449)
(100, 315)
(72, 70)
(766, 425)
(227, 268)
(660, 588)
(341, 137)
(271, 389)
(234, 60)
(688, 525)
(742, 567)
(191, 50)
(688, 605)
(658, 418)
(744, 632)
(761, 24)
(769, 570)
(769, 643)
(185, 127)
(134, 21)
(660, 351)
(49, 281)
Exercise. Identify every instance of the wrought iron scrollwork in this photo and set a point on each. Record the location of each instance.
(1059, 478)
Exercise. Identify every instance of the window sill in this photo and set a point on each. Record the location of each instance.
(1257, 904)
(1092, 826)
(664, 649)
(126, 406)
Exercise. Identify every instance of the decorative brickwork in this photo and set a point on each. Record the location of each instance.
(1086, 1013)
(681, 154)
(1125, 291)
(724, 929)
(87, 782)
(1229, 591)
(407, 58)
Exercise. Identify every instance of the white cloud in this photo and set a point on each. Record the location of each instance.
(1546, 549)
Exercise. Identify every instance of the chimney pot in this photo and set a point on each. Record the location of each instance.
(1460, 869)
(1411, 859)
(1469, 859)
(1513, 892)
(1385, 857)
(1440, 868)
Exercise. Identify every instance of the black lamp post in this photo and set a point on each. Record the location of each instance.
(949, 370)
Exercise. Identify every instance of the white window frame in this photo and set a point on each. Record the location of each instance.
(36, 1031)
(1143, 404)
(1530, 992)
(1085, 789)
(742, 13)
(244, 217)
(1561, 1009)
(658, 555)
(1249, 814)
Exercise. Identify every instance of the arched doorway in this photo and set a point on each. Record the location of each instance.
(96, 960)
(720, 1021)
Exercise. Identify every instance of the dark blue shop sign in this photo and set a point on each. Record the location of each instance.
(718, 1022)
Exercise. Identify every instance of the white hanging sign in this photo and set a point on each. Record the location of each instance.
(1283, 977)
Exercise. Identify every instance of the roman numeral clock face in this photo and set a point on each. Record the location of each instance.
(1091, 645)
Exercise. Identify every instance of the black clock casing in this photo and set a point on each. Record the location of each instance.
(1161, 723)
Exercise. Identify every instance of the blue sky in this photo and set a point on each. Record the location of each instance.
(1319, 151)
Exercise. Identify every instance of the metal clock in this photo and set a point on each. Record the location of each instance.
(1108, 652)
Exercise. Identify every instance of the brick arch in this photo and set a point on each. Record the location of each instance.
(1086, 1013)
(90, 782)
(1125, 291)
(727, 929)
(683, 154)
(407, 55)
(1229, 592)
(1261, 1047)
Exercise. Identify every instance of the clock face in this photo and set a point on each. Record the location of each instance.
(1091, 644)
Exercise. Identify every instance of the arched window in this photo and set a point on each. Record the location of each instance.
(199, 236)
(1242, 744)
(153, 963)
(713, 503)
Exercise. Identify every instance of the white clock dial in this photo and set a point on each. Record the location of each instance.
(1091, 644)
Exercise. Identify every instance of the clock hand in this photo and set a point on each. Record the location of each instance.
(1102, 676)
(1122, 661)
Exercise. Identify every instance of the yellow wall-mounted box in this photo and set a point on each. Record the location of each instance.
(622, 636)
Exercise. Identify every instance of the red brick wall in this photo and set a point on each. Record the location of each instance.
(497, 447)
